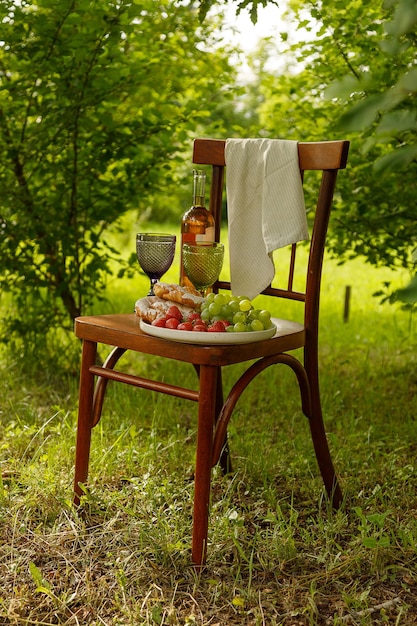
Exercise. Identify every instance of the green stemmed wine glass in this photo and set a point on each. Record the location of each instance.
(203, 262)
(155, 253)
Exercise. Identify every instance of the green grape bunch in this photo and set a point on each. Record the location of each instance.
(238, 311)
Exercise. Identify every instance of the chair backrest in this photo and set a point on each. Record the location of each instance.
(327, 156)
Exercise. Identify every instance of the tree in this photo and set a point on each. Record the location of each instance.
(396, 110)
(356, 78)
(97, 102)
(250, 5)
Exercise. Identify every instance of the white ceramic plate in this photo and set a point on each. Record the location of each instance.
(189, 336)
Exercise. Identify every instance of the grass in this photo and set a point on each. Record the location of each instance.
(277, 554)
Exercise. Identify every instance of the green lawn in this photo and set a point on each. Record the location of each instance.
(276, 555)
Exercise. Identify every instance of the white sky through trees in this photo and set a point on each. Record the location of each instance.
(272, 22)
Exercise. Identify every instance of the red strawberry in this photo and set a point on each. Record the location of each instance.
(172, 322)
(185, 326)
(200, 327)
(217, 327)
(174, 311)
(194, 317)
(159, 321)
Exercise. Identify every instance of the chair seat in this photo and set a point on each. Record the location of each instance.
(123, 331)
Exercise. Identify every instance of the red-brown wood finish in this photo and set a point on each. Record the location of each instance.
(122, 333)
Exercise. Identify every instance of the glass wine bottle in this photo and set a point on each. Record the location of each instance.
(197, 223)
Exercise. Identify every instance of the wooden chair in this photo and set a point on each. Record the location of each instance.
(123, 333)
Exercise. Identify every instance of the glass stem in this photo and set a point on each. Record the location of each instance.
(153, 282)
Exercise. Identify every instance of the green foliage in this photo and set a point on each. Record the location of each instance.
(386, 93)
(249, 5)
(355, 78)
(97, 101)
(409, 293)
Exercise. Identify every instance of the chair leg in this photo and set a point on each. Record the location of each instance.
(319, 437)
(206, 418)
(324, 460)
(85, 418)
(223, 458)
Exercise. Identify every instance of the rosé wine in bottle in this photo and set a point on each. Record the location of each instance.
(197, 224)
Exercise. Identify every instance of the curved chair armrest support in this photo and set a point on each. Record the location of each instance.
(101, 384)
(241, 384)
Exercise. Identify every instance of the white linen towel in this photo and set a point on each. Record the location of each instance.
(266, 210)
